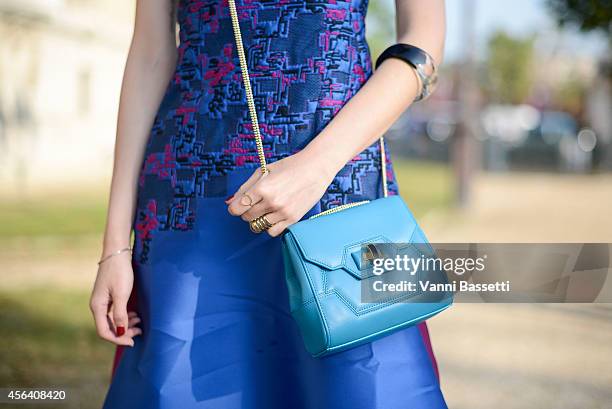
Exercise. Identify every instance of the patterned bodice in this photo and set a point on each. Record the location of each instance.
(306, 59)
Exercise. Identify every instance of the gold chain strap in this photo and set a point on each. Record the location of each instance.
(247, 87)
(253, 113)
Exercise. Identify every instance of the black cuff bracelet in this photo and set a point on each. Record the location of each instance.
(418, 59)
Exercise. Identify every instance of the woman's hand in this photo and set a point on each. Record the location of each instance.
(291, 188)
(109, 299)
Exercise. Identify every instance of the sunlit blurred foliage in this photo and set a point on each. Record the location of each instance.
(509, 68)
(380, 26)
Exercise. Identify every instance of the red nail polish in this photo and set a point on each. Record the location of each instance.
(120, 331)
(229, 198)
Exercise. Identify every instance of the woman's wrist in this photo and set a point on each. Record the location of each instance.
(118, 229)
(113, 243)
(325, 158)
(321, 162)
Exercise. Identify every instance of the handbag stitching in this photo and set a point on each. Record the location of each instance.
(349, 303)
(413, 233)
(319, 309)
(421, 318)
(366, 310)
(357, 341)
(305, 303)
(324, 279)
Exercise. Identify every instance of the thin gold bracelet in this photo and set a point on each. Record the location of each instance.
(115, 253)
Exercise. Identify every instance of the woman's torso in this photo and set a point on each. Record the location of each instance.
(306, 60)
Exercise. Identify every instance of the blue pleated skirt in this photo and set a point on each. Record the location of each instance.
(217, 334)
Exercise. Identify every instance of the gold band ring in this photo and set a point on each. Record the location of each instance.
(250, 199)
(260, 224)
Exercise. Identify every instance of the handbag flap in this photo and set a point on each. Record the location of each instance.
(335, 240)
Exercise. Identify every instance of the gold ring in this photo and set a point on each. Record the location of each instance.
(260, 224)
(248, 197)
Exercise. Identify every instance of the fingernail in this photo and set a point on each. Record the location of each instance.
(120, 331)
(229, 198)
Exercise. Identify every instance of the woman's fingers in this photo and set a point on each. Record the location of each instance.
(99, 308)
(242, 202)
(247, 196)
(133, 321)
(278, 228)
(120, 314)
(124, 337)
(133, 332)
(277, 220)
(106, 319)
(259, 209)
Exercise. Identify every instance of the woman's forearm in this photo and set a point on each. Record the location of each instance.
(365, 117)
(385, 95)
(149, 67)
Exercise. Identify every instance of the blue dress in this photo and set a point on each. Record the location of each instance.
(217, 332)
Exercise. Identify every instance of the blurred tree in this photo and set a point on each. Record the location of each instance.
(509, 72)
(586, 14)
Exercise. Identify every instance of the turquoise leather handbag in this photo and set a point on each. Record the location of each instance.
(325, 273)
(326, 278)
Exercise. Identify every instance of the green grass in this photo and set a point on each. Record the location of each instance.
(73, 213)
(49, 341)
(424, 186)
